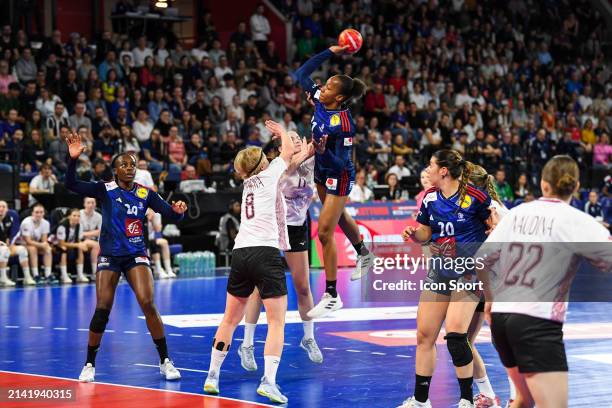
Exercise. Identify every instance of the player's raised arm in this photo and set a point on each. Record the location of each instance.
(302, 75)
(75, 148)
(174, 211)
(287, 146)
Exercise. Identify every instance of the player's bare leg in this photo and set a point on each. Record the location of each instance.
(165, 256)
(246, 351)
(94, 251)
(549, 390)
(81, 278)
(523, 397)
(64, 278)
(106, 284)
(486, 397)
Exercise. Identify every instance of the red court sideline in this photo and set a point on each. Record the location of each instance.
(94, 395)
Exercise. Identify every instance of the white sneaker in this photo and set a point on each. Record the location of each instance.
(211, 385)
(161, 274)
(65, 279)
(168, 370)
(87, 373)
(311, 347)
(247, 357)
(7, 282)
(364, 262)
(271, 391)
(482, 401)
(465, 404)
(29, 282)
(413, 403)
(82, 279)
(170, 274)
(326, 305)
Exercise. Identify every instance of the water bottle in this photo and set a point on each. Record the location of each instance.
(199, 263)
(189, 266)
(213, 263)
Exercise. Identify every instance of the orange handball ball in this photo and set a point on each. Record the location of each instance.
(352, 38)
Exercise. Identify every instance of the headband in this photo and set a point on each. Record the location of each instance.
(261, 156)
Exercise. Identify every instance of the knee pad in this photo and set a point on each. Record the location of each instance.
(99, 321)
(4, 253)
(459, 348)
(22, 253)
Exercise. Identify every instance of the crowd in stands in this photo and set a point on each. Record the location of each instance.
(507, 87)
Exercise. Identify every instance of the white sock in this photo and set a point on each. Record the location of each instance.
(35, 271)
(26, 272)
(484, 386)
(158, 267)
(79, 269)
(512, 389)
(168, 266)
(308, 329)
(63, 271)
(249, 334)
(47, 271)
(271, 364)
(216, 359)
(3, 276)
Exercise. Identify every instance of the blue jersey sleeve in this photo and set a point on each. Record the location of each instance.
(88, 189)
(157, 204)
(423, 215)
(302, 75)
(483, 212)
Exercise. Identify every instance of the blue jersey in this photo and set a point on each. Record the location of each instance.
(457, 229)
(338, 125)
(123, 213)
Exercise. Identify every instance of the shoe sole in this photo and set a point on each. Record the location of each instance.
(243, 365)
(306, 350)
(86, 380)
(271, 397)
(326, 312)
(211, 389)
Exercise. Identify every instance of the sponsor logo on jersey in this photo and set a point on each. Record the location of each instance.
(334, 120)
(351, 184)
(142, 259)
(322, 128)
(142, 192)
(467, 201)
(331, 183)
(348, 141)
(103, 259)
(118, 199)
(110, 186)
(460, 217)
(133, 227)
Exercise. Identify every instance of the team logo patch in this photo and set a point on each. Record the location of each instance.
(334, 120)
(142, 192)
(331, 183)
(348, 141)
(133, 227)
(142, 259)
(467, 201)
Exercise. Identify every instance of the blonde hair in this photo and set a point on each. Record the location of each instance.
(483, 180)
(562, 173)
(249, 161)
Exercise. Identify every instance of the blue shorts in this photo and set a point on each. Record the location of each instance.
(336, 183)
(121, 264)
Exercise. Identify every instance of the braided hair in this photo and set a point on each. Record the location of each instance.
(458, 168)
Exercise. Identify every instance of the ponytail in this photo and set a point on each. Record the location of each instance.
(466, 171)
(484, 181)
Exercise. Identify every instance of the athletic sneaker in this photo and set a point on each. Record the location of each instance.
(211, 385)
(171, 274)
(465, 404)
(247, 357)
(272, 391)
(364, 262)
(66, 280)
(482, 401)
(87, 373)
(326, 305)
(162, 274)
(29, 282)
(7, 282)
(168, 370)
(50, 280)
(82, 279)
(413, 403)
(314, 354)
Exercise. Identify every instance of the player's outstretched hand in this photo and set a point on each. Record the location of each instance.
(179, 207)
(408, 233)
(336, 49)
(75, 148)
(275, 128)
(309, 99)
(320, 144)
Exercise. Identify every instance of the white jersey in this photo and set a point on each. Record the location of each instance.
(263, 212)
(91, 222)
(298, 188)
(69, 236)
(501, 209)
(537, 247)
(34, 230)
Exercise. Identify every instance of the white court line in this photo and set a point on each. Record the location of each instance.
(130, 332)
(36, 327)
(402, 356)
(60, 328)
(353, 351)
(11, 327)
(108, 331)
(178, 368)
(175, 335)
(83, 329)
(197, 336)
(329, 348)
(378, 353)
(259, 404)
